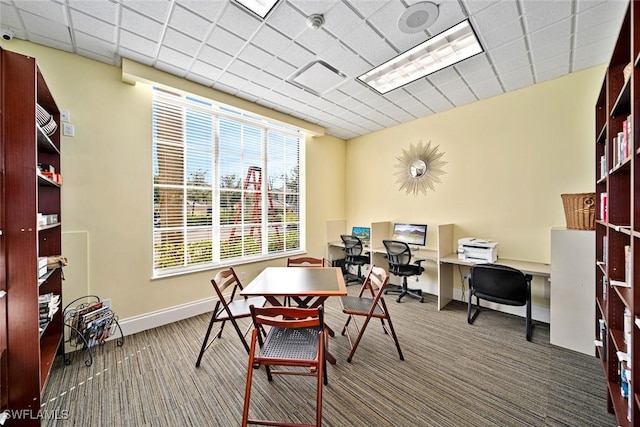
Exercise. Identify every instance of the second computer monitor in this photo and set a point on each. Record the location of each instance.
(363, 233)
(412, 234)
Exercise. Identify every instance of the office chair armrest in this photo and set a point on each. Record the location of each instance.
(418, 261)
(528, 277)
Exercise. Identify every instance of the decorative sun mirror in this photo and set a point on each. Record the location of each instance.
(419, 168)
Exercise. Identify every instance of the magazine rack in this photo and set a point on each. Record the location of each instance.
(87, 324)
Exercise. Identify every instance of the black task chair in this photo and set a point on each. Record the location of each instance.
(399, 257)
(500, 284)
(353, 257)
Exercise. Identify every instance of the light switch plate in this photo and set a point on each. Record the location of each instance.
(65, 116)
(67, 129)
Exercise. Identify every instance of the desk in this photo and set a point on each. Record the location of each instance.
(445, 282)
(308, 286)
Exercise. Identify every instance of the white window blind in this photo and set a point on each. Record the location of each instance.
(226, 186)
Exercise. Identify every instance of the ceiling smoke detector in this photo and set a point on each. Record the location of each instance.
(418, 17)
(315, 21)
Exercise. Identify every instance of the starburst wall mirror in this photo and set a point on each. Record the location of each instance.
(419, 168)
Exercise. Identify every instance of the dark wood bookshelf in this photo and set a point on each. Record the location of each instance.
(619, 101)
(30, 348)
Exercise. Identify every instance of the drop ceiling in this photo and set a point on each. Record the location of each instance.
(222, 45)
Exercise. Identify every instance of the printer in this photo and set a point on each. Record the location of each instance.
(477, 250)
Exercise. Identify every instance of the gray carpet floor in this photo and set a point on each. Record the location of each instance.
(454, 374)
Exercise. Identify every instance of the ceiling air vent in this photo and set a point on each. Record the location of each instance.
(318, 78)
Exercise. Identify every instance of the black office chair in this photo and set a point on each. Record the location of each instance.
(399, 257)
(500, 284)
(353, 257)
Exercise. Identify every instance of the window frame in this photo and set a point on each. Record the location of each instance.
(184, 102)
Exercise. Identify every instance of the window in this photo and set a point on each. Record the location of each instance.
(226, 186)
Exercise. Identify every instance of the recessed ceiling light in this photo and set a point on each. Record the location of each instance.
(259, 7)
(447, 48)
(418, 17)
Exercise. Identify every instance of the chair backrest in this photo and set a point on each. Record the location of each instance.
(287, 317)
(352, 244)
(398, 253)
(374, 283)
(223, 280)
(306, 262)
(499, 283)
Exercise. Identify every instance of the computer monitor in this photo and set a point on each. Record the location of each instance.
(363, 233)
(412, 234)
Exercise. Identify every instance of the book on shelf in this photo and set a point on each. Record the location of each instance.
(603, 166)
(628, 265)
(605, 249)
(603, 206)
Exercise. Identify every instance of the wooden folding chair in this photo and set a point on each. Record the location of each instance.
(295, 339)
(369, 304)
(229, 309)
(305, 261)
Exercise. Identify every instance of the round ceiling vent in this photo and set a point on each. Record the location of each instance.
(418, 17)
(315, 21)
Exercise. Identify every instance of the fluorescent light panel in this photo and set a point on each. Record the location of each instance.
(259, 7)
(447, 48)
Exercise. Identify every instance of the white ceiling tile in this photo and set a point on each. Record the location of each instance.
(225, 41)
(541, 13)
(94, 27)
(141, 25)
(175, 58)
(561, 46)
(278, 68)
(517, 79)
(487, 88)
(340, 19)
(475, 6)
(366, 8)
(44, 28)
(287, 20)
(95, 45)
(215, 57)
(550, 35)
(239, 21)
(135, 56)
(341, 58)
(508, 51)
(10, 17)
(461, 96)
(443, 76)
(209, 10)
(368, 44)
(232, 90)
(243, 69)
(205, 70)
(181, 42)
(449, 14)
(308, 7)
(231, 80)
(189, 23)
(474, 69)
(419, 110)
(49, 10)
(271, 40)
(607, 11)
(157, 10)
(593, 54)
(103, 10)
(136, 43)
(256, 56)
(510, 31)
(495, 16)
(513, 63)
(385, 20)
(438, 105)
(550, 69)
(267, 80)
(51, 42)
(169, 68)
(315, 40)
(296, 55)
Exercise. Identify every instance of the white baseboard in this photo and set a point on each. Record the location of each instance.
(157, 318)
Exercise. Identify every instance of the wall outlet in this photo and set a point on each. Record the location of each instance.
(65, 116)
(106, 302)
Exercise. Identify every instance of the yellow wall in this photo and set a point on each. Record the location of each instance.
(509, 159)
(107, 195)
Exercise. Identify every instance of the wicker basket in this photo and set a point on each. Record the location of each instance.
(579, 210)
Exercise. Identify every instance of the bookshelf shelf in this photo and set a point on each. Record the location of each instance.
(617, 147)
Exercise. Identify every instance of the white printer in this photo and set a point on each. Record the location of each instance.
(472, 249)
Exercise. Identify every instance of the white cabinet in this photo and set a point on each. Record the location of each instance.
(572, 299)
